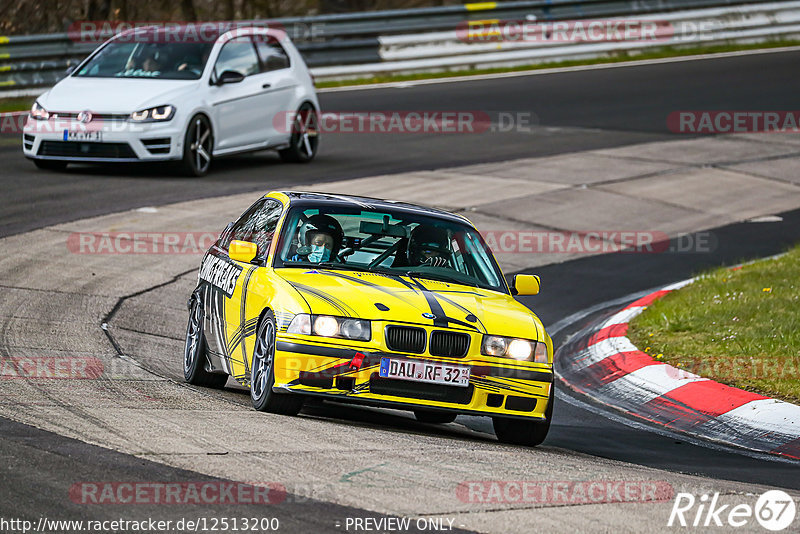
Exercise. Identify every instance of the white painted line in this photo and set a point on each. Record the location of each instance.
(647, 383)
(622, 416)
(770, 415)
(623, 316)
(600, 351)
(678, 285)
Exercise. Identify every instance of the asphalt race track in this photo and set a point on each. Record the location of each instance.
(573, 111)
(576, 111)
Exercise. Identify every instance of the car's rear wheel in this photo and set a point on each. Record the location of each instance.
(524, 432)
(194, 352)
(50, 164)
(305, 136)
(198, 144)
(262, 373)
(438, 418)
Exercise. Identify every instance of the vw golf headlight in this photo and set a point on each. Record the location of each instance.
(330, 326)
(39, 113)
(514, 348)
(156, 114)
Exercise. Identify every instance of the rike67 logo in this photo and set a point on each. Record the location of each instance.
(774, 510)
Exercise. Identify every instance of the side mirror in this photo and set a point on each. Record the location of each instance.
(242, 251)
(230, 76)
(527, 284)
(70, 70)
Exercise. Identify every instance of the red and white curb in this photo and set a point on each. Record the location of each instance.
(602, 363)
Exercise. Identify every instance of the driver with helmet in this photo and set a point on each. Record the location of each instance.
(429, 246)
(321, 238)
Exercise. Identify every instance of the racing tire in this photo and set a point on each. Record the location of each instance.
(50, 164)
(522, 432)
(198, 145)
(304, 142)
(262, 373)
(433, 417)
(194, 352)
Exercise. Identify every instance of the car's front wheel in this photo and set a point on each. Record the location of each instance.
(262, 373)
(524, 432)
(305, 136)
(194, 352)
(50, 164)
(198, 144)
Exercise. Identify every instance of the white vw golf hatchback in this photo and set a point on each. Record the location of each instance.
(187, 94)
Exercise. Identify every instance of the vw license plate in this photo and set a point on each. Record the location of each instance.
(82, 135)
(422, 371)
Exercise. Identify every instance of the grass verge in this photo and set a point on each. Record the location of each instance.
(738, 326)
(22, 103)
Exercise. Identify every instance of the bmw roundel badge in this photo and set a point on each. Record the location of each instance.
(429, 316)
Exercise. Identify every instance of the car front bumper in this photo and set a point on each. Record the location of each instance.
(337, 373)
(120, 141)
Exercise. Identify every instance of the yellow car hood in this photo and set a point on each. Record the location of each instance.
(420, 301)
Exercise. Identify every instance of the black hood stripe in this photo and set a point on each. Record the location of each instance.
(339, 305)
(465, 310)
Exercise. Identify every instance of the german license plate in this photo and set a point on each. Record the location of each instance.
(422, 371)
(80, 135)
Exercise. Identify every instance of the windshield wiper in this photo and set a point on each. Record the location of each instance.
(382, 270)
(437, 277)
(328, 264)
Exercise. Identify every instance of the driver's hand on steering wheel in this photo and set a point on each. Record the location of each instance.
(435, 261)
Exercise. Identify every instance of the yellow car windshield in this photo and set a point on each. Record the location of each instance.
(419, 246)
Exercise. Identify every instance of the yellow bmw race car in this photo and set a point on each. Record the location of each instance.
(370, 301)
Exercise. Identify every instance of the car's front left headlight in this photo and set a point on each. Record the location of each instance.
(156, 114)
(515, 348)
(39, 113)
(330, 326)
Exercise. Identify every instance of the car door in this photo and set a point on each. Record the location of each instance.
(278, 84)
(238, 119)
(257, 225)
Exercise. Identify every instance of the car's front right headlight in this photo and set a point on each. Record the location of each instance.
(515, 348)
(330, 326)
(156, 114)
(39, 113)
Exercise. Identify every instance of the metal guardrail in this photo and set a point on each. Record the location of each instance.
(442, 51)
(352, 44)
